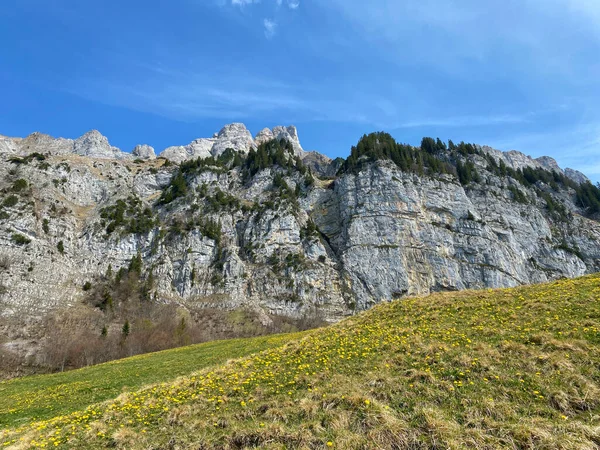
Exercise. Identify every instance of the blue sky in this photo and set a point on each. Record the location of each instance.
(513, 74)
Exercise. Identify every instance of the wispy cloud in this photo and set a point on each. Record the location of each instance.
(193, 95)
(244, 2)
(453, 36)
(270, 28)
(264, 7)
(467, 121)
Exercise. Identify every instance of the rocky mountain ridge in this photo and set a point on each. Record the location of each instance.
(235, 136)
(95, 145)
(234, 221)
(517, 160)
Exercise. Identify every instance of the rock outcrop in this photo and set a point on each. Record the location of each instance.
(549, 163)
(288, 242)
(264, 135)
(399, 234)
(95, 145)
(289, 134)
(144, 152)
(517, 160)
(36, 141)
(8, 145)
(200, 148)
(576, 176)
(234, 136)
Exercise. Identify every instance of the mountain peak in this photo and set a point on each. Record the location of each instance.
(235, 136)
(264, 135)
(235, 128)
(95, 145)
(289, 133)
(576, 176)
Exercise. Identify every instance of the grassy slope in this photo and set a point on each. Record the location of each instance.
(516, 368)
(23, 400)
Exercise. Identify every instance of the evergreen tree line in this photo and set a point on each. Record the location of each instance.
(422, 161)
(178, 187)
(277, 152)
(433, 157)
(587, 196)
(436, 157)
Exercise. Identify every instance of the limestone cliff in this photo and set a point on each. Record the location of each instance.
(293, 237)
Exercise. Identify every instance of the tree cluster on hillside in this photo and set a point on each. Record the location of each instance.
(276, 152)
(587, 196)
(188, 169)
(128, 215)
(435, 157)
(380, 145)
(467, 173)
(115, 291)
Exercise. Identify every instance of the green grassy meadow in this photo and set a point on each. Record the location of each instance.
(493, 369)
(40, 397)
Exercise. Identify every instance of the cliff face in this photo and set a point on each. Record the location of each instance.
(287, 242)
(399, 234)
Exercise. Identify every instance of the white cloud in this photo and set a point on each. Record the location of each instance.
(244, 2)
(270, 28)
(269, 25)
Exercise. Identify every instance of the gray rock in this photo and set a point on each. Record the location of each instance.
(36, 141)
(235, 136)
(201, 148)
(264, 135)
(320, 164)
(549, 163)
(576, 176)
(517, 160)
(177, 153)
(144, 152)
(382, 233)
(8, 145)
(94, 145)
(291, 134)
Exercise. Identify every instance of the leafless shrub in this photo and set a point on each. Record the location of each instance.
(87, 334)
(9, 363)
